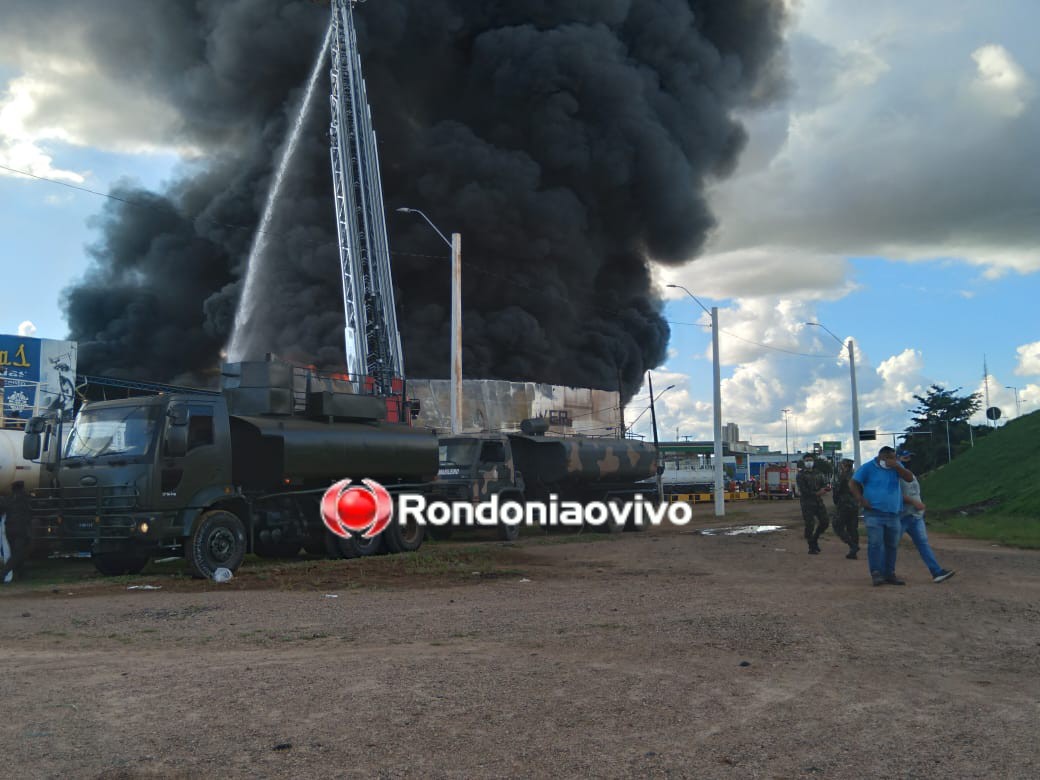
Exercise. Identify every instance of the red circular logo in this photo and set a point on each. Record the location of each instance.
(348, 510)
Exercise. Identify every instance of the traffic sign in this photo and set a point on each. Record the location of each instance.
(870, 435)
(831, 446)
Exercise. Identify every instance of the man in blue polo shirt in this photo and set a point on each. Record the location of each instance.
(876, 487)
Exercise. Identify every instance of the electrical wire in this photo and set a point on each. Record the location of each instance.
(467, 264)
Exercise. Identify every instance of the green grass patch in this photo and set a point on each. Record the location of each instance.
(991, 491)
(993, 526)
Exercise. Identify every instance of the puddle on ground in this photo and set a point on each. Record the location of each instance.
(741, 530)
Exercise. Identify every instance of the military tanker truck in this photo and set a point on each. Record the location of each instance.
(214, 476)
(531, 466)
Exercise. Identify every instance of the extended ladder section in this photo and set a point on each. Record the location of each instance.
(373, 342)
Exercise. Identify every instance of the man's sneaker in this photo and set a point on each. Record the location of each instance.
(892, 579)
(943, 575)
(876, 578)
(852, 555)
(814, 551)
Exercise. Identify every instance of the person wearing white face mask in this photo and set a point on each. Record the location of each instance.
(876, 487)
(812, 486)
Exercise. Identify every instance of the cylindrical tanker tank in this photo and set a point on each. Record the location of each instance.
(267, 451)
(551, 460)
(13, 467)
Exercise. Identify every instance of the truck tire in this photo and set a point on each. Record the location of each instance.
(610, 526)
(404, 538)
(510, 532)
(219, 541)
(114, 564)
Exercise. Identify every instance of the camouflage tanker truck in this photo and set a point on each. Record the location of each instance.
(530, 466)
(214, 476)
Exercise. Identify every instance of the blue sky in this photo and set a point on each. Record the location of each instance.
(893, 195)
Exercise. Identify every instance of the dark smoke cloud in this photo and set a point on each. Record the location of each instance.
(567, 140)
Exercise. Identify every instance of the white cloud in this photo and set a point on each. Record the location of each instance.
(1000, 82)
(65, 99)
(793, 366)
(1028, 360)
(1002, 396)
(883, 151)
(26, 328)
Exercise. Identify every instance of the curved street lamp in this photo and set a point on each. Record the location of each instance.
(455, 393)
(855, 399)
(720, 494)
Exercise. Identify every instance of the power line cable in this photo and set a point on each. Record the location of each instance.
(469, 265)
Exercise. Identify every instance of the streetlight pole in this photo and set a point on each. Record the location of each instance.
(787, 450)
(657, 448)
(720, 493)
(855, 397)
(455, 392)
(1018, 406)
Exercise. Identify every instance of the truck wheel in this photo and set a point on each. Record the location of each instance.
(219, 541)
(610, 526)
(510, 532)
(114, 564)
(404, 538)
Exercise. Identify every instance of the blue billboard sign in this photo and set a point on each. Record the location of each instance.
(35, 375)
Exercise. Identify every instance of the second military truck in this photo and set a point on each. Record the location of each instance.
(531, 466)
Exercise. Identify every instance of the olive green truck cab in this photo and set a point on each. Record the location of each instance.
(178, 474)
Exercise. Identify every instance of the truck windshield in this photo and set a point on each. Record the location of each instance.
(120, 430)
(457, 452)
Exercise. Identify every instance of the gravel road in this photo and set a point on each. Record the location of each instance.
(661, 654)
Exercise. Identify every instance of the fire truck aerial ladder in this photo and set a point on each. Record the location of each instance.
(373, 341)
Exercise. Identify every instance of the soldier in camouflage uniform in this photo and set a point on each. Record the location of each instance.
(811, 487)
(846, 524)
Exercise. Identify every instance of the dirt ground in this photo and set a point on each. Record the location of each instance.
(661, 654)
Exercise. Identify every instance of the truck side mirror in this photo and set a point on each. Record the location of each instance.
(31, 446)
(177, 431)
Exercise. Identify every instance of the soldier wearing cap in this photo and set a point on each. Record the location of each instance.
(812, 486)
(846, 523)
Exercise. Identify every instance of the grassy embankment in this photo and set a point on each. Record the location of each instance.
(993, 490)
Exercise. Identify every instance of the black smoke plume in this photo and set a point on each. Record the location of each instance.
(568, 141)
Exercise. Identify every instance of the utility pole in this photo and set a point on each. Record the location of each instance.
(657, 448)
(787, 450)
(720, 494)
(1018, 406)
(456, 334)
(855, 405)
(855, 396)
(621, 406)
(720, 490)
(985, 380)
(455, 383)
